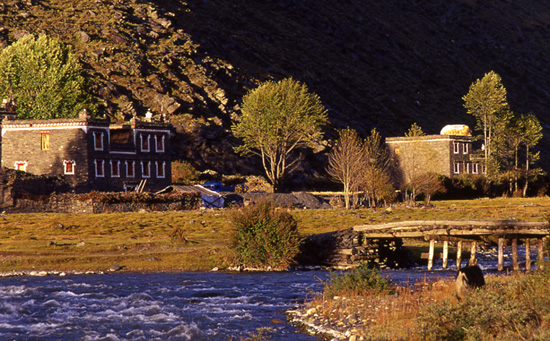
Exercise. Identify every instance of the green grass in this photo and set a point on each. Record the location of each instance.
(48, 241)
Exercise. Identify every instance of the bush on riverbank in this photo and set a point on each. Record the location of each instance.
(265, 236)
(363, 280)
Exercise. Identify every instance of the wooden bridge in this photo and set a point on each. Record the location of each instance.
(465, 231)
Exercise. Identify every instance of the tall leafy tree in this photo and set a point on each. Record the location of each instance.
(486, 101)
(278, 118)
(346, 162)
(43, 78)
(532, 135)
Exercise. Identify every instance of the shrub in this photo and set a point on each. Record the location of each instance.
(362, 281)
(265, 236)
(507, 309)
(184, 173)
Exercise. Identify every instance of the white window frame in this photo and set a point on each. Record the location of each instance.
(65, 167)
(96, 134)
(456, 146)
(467, 167)
(159, 150)
(148, 136)
(456, 169)
(97, 164)
(130, 165)
(475, 168)
(115, 164)
(162, 166)
(465, 148)
(148, 164)
(16, 164)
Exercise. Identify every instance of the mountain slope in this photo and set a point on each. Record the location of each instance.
(383, 64)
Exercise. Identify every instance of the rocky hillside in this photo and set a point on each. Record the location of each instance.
(383, 64)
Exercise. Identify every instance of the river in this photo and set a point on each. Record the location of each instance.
(177, 306)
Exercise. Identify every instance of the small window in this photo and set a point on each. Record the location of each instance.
(465, 148)
(21, 166)
(115, 168)
(99, 168)
(160, 169)
(159, 142)
(45, 145)
(396, 151)
(457, 147)
(468, 166)
(130, 169)
(98, 140)
(145, 142)
(457, 167)
(475, 168)
(146, 169)
(68, 166)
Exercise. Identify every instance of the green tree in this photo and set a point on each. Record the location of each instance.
(43, 78)
(278, 118)
(415, 130)
(346, 162)
(486, 101)
(532, 135)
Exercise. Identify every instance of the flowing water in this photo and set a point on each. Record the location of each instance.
(177, 306)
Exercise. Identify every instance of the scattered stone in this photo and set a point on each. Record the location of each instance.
(80, 244)
(115, 267)
(83, 36)
(215, 269)
(153, 259)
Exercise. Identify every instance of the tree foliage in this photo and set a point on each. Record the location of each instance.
(346, 162)
(486, 101)
(415, 130)
(43, 78)
(278, 118)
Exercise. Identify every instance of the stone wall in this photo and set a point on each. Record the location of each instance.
(78, 203)
(347, 249)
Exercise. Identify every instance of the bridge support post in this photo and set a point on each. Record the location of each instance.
(515, 264)
(473, 248)
(445, 253)
(527, 255)
(431, 254)
(500, 254)
(540, 253)
(458, 254)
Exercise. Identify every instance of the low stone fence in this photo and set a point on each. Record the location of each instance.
(96, 202)
(347, 249)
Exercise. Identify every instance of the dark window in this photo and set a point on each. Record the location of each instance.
(99, 168)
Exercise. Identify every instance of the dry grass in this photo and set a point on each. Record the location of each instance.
(508, 307)
(136, 240)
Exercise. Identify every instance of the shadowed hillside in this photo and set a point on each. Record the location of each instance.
(383, 64)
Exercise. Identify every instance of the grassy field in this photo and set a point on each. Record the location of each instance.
(196, 240)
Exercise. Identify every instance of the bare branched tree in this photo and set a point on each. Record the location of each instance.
(376, 179)
(346, 162)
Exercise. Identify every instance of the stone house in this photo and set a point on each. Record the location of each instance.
(445, 154)
(90, 153)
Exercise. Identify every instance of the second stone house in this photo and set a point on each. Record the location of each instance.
(90, 153)
(450, 153)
